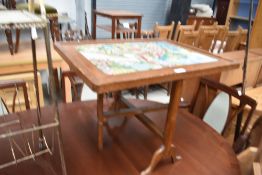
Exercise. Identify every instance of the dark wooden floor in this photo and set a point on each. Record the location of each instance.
(203, 151)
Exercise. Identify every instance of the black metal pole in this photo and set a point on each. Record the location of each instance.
(244, 68)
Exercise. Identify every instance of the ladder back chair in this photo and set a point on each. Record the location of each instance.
(222, 31)
(206, 37)
(213, 103)
(188, 37)
(232, 41)
(180, 28)
(164, 32)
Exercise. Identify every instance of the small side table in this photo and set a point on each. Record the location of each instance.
(116, 15)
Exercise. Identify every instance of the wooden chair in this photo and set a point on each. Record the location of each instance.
(76, 85)
(200, 21)
(222, 31)
(212, 103)
(180, 28)
(188, 37)
(206, 37)
(232, 41)
(164, 32)
(243, 38)
(14, 86)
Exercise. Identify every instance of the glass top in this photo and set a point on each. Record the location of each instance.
(129, 57)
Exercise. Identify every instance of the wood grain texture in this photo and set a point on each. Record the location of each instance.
(203, 151)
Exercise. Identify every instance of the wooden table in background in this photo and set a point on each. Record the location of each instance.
(102, 83)
(22, 61)
(20, 65)
(203, 151)
(115, 15)
(234, 77)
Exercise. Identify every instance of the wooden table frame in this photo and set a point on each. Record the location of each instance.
(115, 16)
(102, 83)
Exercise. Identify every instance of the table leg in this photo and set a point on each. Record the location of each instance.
(9, 39)
(139, 27)
(100, 121)
(113, 28)
(17, 31)
(94, 26)
(168, 148)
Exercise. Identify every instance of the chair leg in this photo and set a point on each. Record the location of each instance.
(145, 92)
(9, 39)
(53, 26)
(17, 40)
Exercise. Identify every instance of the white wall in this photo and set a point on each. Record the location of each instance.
(68, 6)
(64, 6)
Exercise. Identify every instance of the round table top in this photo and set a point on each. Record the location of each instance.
(203, 151)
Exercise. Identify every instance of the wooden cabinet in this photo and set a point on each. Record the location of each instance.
(238, 13)
(256, 37)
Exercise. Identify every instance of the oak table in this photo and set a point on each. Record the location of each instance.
(115, 16)
(203, 151)
(112, 66)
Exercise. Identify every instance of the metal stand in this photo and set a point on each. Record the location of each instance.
(27, 21)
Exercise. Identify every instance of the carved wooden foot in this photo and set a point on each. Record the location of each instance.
(160, 154)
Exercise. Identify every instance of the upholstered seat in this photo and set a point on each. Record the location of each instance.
(49, 9)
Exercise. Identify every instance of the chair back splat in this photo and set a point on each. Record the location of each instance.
(180, 28)
(213, 99)
(164, 32)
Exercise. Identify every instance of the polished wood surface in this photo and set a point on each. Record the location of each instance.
(115, 16)
(101, 82)
(203, 151)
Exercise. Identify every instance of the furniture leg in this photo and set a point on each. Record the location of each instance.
(9, 39)
(94, 26)
(145, 92)
(139, 27)
(55, 70)
(113, 28)
(168, 148)
(17, 40)
(100, 121)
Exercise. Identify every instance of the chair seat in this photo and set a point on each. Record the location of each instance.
(49, 9)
